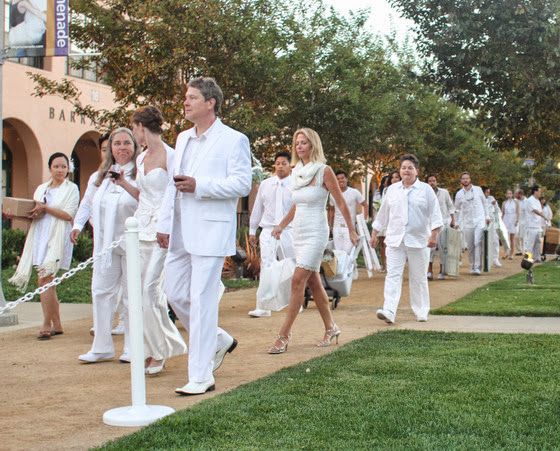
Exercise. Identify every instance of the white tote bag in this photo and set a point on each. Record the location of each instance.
(275, 283)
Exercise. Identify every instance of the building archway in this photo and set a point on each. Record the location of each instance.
(86, 158)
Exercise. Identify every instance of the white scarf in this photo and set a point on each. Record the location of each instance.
(67, 199)
(302, 175)
(104, 228)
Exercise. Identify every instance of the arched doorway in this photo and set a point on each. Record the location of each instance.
(86, 159)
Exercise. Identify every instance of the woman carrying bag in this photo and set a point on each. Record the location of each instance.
(47, 246)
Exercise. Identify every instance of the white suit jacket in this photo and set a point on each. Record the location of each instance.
(222, 170)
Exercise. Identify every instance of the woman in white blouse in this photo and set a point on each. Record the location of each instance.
(109, 207)
(411, 215)
(510, 216)
(46, 246)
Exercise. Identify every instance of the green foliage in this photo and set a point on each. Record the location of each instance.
(513, 296)
(13, 241)
(499, 59)
(84, 247)
(391, 390)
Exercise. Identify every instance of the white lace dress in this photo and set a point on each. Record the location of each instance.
(162, 340)
(310, 226)
(510, 215)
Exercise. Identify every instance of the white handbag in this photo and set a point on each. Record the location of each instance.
(275, 284)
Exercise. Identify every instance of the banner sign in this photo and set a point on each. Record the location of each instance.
(38, 28)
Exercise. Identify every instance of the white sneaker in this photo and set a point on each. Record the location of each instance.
(196, 388)
(497, 264)
(475, 272)
(119, 329)
(259, 313)
(124, 358)
(94, 357)
(386, 315)
(441, 276)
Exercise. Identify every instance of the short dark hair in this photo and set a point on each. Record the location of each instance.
(102, 138)
(340, 171)
(209, 89)
(283, 154)
(484, 188)
(465, 172)
(150, 117)
(535, 188)
(431, 175)
(410, 157)
(57, 155)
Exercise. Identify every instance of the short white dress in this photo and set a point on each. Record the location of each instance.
(510, 216)
(310, 226)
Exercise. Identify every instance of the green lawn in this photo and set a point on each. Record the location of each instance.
(513, 296)
(77, 289)
(397, 390)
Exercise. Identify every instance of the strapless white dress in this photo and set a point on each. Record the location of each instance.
(310, 226)
(162, 340)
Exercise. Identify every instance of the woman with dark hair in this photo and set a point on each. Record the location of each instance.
(47, 247)
(162, 340)
(109, 207)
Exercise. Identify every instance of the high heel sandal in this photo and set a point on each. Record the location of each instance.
(331, 333)
(283, 347)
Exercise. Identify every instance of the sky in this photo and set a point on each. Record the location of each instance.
(383, 18)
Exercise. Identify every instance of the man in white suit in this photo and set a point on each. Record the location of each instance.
(210, 172)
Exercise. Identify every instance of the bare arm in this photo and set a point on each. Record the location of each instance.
(277, 231)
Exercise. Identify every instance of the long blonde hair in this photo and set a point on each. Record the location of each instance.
(109, 159)
(317, 154)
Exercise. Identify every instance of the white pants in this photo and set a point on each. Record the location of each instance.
(341, 239)
(267, 245)
(520, 239)
(473, 237)
(418, 259)
(192, 286)
(532, 242)
(496, 246)
(105, 287)
(162, 340)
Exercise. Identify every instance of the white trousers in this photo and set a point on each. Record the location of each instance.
(520, 239)
(473, 237)
(162, 340)
(192, 286)
(267, 245)
(341, 239)
(532, 242)
(418, 259)
(106, 284)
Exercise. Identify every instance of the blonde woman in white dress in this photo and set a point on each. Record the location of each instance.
(510, 215)
(47, 246)
(162, 340)
(312, 181)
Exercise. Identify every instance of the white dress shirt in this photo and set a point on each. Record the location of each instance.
(264, 212)
(533, 221)
(445, 205)
(352, 197)
(472, 208)
(409, 215)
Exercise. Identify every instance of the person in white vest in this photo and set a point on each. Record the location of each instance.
(356, 204)
(447, 209)
(197, 223)
(272, 203)
(521, 200)
(473, 217)
(510, 216)
(533, 224)
(494, 212)
(411, 215)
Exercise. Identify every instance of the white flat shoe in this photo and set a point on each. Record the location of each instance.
(259, 313)
(94, 357)
(119, 329)
(124, 358)
(152, 370)
(196, 388)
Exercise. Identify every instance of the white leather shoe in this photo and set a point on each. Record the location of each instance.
(94, 357)
(152, 370)
(196, 388)
(221, 353)
(386, 315)
(124, 358)
(259, 313)
(119, 329)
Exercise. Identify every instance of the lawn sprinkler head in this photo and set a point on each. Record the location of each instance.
(527, 263)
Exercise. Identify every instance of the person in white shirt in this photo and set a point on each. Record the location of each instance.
(272, 203)
(411, 215)
(547, 212)
(473, 217)
(521, 201)
(448, 215)
(533, 224)
(355, 202)
(510, 216)
(494, 212)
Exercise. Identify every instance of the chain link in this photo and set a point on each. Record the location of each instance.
(58, 280)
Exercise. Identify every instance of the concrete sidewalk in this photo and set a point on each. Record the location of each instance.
(491, 324)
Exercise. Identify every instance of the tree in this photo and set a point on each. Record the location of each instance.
(499, 59)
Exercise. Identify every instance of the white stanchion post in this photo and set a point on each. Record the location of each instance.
(138, 414)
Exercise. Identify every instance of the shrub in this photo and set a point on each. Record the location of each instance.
(84, 248)
(13, 241)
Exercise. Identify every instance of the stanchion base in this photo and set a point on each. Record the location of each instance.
(131, 416)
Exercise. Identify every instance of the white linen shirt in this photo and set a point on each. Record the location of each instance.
(445, 205)
(533, 221)
(409, 215)
(471, 207)
(262, 214)
(352, 197)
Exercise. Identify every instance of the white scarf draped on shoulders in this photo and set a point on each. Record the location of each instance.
(302, 175)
